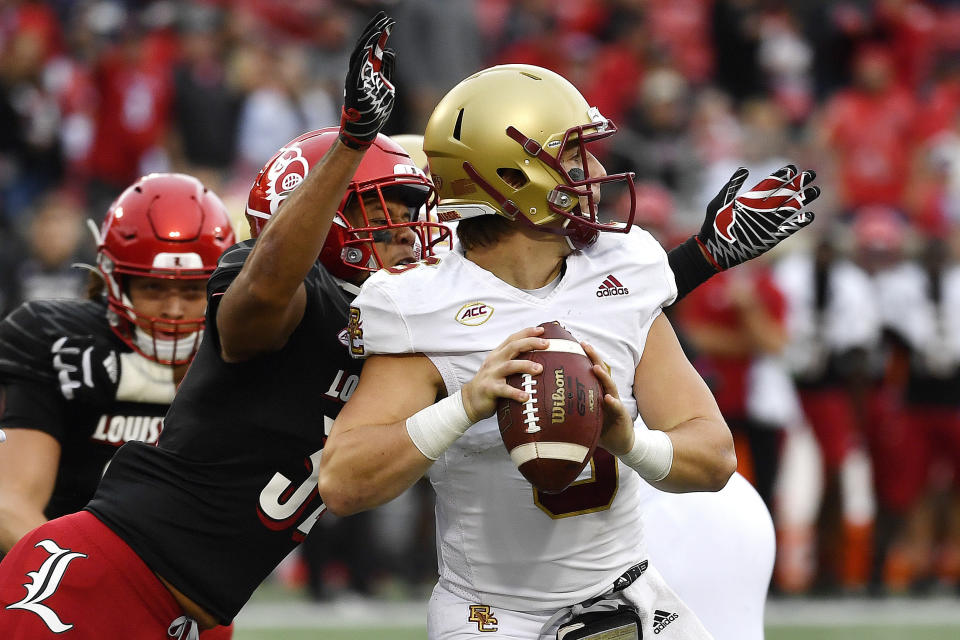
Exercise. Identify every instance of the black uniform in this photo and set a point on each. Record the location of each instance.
(89, 435)
(231, 487)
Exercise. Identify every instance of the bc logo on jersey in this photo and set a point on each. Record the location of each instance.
(355, 331)
(483, 616)
(45, 582)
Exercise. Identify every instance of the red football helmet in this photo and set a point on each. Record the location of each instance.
(385, 171)
(165, 225)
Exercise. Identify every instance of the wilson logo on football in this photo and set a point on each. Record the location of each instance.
(474, 314)
(611, 287)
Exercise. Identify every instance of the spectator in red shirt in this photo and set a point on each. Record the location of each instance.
(731, 320)
(134, 83)
(869, 129)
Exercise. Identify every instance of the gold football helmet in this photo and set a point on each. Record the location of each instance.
(520, 118)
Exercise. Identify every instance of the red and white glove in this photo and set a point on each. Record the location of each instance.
(368, 94)
(741, 227)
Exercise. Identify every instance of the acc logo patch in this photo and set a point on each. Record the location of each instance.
(483, 616)
(355, 332)
(474, 314)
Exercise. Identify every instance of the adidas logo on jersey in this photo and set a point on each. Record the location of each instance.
(661, 619)
(611, 287)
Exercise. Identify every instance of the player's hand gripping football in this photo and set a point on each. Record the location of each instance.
(741, 227)
(617, 435)
(480, 395)
(87, 369)
(368, 93)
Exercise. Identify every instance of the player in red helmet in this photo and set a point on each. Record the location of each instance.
(82, 377)
(230, 488)
(376, 223)
(166, 228)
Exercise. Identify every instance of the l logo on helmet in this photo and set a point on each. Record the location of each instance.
(286, 173)
(177, 261)
(474, 314)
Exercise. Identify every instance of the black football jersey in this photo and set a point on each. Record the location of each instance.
(231, 487)
(88, 435)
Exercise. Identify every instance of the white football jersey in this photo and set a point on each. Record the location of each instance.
(500, 542)
(931, 329)
(849, 320)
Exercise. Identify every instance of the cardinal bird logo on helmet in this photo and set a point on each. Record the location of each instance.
(285, 175)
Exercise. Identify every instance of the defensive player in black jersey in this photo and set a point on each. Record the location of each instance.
(81, 377)
(231, 488)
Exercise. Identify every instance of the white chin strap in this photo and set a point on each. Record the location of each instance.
(164, 349)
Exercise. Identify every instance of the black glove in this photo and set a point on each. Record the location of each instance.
(368, 93)
(87, 368)
(740, 228)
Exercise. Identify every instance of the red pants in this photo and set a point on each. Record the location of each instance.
(74, 579)
(908, 449)
(830, 414)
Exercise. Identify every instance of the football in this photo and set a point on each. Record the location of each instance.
(551, 437)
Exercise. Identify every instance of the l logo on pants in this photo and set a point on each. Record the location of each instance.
(44, 584)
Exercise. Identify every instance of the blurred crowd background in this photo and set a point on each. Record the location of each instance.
(836, 361)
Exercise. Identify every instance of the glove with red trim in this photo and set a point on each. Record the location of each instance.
(738, 228)
(368, 93)
(741, 227)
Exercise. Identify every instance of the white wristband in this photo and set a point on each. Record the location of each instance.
(434, 428)
(3, 436)
(651, 455)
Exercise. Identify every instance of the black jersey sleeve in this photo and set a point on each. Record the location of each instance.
(30, 404)
(229, 265)
(32, 387)
(27, 335)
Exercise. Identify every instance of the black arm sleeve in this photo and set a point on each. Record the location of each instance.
(34, 405)
(690, 268)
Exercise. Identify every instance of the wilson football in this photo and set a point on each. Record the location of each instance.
(551, 436)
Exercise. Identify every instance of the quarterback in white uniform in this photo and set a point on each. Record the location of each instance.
(724, 578)
(508, 150)
(496, 531)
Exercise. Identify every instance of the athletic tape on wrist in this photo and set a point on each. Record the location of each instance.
(651, 455)
(434, 428)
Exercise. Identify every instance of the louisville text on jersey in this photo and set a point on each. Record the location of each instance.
(117, 430)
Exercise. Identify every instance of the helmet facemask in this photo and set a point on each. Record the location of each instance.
(522, 119)
(166, 227)
(386, 173)
(576, 196)
(355, 240)
(166, 341)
